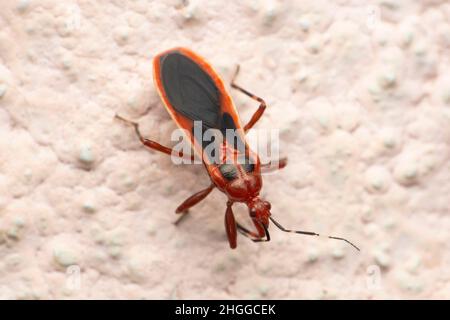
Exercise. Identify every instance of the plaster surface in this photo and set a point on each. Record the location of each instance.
(360, 94)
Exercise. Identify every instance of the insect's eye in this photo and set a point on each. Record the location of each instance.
(252, 213)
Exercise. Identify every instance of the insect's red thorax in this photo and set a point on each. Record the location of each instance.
(244, 188)
(239, 181)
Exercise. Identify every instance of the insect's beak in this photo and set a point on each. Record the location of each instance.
(262, 223)
(265, 218)
(266, 230)
(266, 222)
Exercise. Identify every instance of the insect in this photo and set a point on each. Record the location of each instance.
(193, 92)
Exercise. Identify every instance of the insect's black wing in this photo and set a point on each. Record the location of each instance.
(193, 93)
(190, 90)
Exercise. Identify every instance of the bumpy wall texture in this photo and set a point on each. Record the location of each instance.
(360, 93)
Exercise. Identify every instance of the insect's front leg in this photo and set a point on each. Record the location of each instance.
(252, 235)
(150, 143)
(230, 226)
(262, 104)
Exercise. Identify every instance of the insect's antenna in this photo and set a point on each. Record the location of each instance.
(309, 233)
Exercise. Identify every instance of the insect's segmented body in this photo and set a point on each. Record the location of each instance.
(193, 91)
(197, 100)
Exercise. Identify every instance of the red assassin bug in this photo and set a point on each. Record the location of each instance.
(192, 91)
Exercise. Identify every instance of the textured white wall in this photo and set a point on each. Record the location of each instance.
(360, 93)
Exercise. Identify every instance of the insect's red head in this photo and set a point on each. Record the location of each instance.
(259, 211)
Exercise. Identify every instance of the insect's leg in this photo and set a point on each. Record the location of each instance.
(244, 231)
(262, 104)
(192, 201)
(230, 226)
(272, 166)
(150, 143)
(252, 235)
(259, 228)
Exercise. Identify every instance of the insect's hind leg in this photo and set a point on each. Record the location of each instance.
(183, 208)
(262, 104)
(150, 143)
